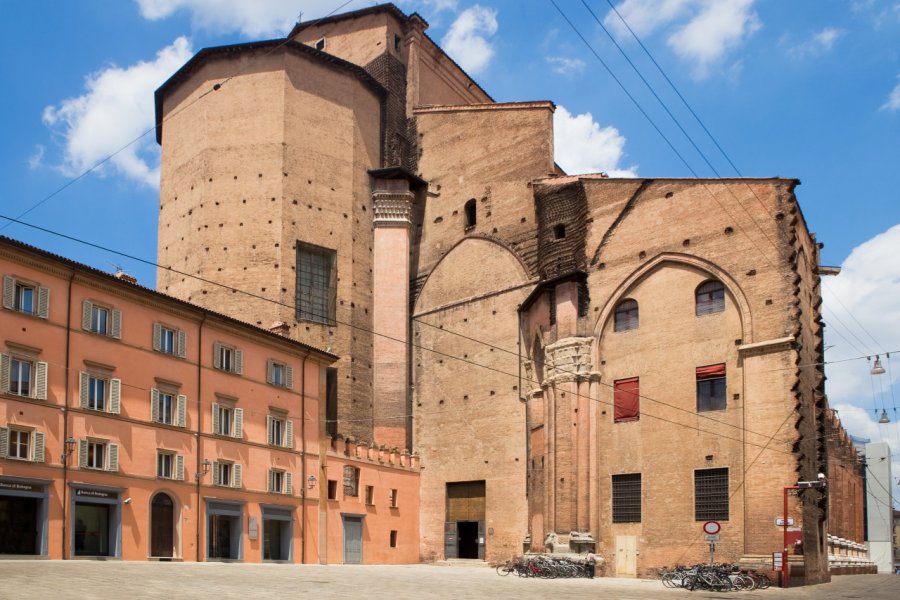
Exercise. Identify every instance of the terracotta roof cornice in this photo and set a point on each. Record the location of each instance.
(191, 66)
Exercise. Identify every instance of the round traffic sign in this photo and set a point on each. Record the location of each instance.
(712, 527)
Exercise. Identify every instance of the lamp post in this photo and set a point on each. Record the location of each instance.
(801, 485)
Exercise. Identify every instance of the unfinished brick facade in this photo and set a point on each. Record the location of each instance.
(492, 351)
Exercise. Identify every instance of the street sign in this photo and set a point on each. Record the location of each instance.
(711, 537)
(780, 521)
(712, 527)
(776, 561)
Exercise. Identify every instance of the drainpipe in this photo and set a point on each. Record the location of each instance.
(197, 472)
(303, 487)
(65, 455)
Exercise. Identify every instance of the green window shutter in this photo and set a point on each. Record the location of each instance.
(217, 355)
(38, 456)
(112, 463)
(288, 433)
(82, 453)
(116, 328)
(83, 380)
(182, 344)
(115, 395)
(270, 474)
(238, 362)
(157, 336)
(9, 292)
(288, 377)
(43, 310)
(269, 435)
(236, 475)
(4, 373)
(215, 418)
(288, 483)
(154, 404)
(40, 380)
(180, 408)
(86, 314)
(239, 422)
(4, 442)
(179, 467)
(269, 369)
(217, 474)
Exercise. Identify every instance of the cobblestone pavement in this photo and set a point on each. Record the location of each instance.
(84, 580)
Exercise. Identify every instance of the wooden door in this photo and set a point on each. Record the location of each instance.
(162, 526)
(626, 558)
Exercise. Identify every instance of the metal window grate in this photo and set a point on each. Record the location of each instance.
(626, 498)
(316, 280)
(711, 494)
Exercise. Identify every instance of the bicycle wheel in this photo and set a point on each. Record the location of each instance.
(503, 570)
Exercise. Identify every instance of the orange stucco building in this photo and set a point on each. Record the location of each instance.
(137, 426)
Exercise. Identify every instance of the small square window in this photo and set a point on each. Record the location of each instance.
(332, 489)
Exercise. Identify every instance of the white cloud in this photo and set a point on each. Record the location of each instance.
(705, 31)
(893, 101)
(580, 145)
(116, 108)
(566, 66)
(36, 159)
(259, 18)
(466, 41)
(859, 422)
(435, 5)
(816, 45)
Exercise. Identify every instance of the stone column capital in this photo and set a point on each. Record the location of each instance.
(393, 209)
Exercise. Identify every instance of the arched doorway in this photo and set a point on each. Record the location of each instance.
(162, 526)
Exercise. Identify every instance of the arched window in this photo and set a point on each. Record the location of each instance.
(470, 213)
(626, 317)
(710, 298)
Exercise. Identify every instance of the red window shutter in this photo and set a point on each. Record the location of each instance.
(711, 372)
(627, 400)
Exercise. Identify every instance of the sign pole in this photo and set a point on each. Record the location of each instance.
(712, 553)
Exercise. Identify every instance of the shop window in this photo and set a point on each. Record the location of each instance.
(228, 358)
(227, 474)
(100, 392)
(101, 320)
(627, 316)
(316, 283)
(370, 495)
(169, 340)
(711, 495)
(280, 482)
(21, 444)
(168, 408)
(711, 388)
(710, 298)
(627, 400)
(227, 420)
(279, 374)
(98, 454)
(281, 431)
(351, 481)
(626, 498)
(25, 297)
(332, 489)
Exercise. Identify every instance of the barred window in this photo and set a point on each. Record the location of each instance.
(711, 494)
(351, 481)
(627, 316)
(626, 498)
(710, 297)
(316, 283)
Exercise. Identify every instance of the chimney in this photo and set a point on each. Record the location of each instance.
(125, 277)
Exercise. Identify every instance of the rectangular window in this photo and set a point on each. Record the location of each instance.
(279, 374)
(316, 283)
(351, 481)
(96, 393)
(626, 498)
(223, 414)
(393, 538)
(96, 455)
(711, 388)
(331, 401)
(227, 420)
(711, 494)
(281, 431)
(627, 400)
(25, 297)
(370, 494)
(20, 374)
(228, 358)
(19, 443)
(167, 340)
(392, 498)
(166, 408)
(99, 319)
(165, 463)
(332, 489)
(223, 472)
(276, 483)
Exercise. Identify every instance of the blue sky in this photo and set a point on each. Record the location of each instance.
(808, 89)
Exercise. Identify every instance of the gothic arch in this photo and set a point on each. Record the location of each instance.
(700, 264)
